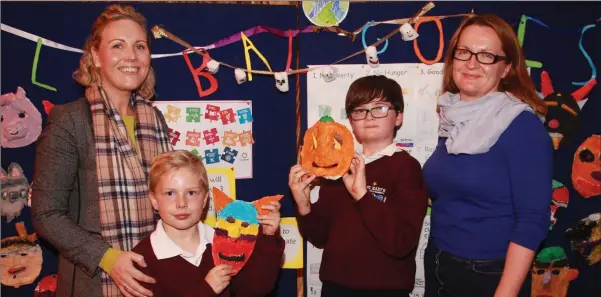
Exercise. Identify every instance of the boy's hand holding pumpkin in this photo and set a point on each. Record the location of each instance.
(299, 181)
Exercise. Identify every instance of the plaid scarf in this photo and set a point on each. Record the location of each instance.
(126, 214)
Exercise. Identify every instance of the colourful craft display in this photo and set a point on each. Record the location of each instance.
(21, 121)
(21, 261)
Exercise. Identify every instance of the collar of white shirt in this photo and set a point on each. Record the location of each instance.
(387, 151)
(164, 247)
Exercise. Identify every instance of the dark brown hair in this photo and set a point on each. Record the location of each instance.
(374, 88)
(517, 81)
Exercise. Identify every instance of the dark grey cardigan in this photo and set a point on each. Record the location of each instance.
(64, 203)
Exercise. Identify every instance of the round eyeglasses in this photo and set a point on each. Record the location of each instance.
(376, 112)
(486, 58)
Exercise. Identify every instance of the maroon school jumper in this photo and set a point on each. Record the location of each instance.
(370, 244)
(177, 277)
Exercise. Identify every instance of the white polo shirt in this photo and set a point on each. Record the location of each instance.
(164, 247)
(387, 151)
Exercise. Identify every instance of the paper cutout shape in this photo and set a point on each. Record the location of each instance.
(174, 136)
(246, 138)
(244, 116)
(293, 252)
(198, 72)
(407, 32)
(173, 113)
(193, 138)
(48, 106)
(46, 286)
(586, 238)
(225, 180)
(236, 229)
(586, 56)
(329, 73)
(212, 113)
(230, 138)
(364, 31)
(197, 154)
(328, 148)
(240, 75)
(563, 116)
(229, 155)
(210, 136)
(34, 69)
(551, 273)
(14, 190)
(281, 81)
(586, 167)
(227, 116)
(193, 114)
(326, 13)
(213, 66)
(560, 200)
(21, 121)
(521, 33)
(371, 54)
(418, 53)
(325, 111)
(21, 260)
(248, 45)
(212, 156)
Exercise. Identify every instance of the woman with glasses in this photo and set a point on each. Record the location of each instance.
(490, 176)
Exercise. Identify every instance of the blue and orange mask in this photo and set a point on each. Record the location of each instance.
(237, 228)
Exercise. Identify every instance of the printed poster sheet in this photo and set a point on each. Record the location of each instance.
(219, 132)
(421, 85)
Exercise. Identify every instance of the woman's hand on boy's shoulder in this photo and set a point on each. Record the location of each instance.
(271, 221)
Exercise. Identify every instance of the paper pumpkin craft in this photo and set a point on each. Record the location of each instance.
(551, 274)
(563, 116)
(46, 287)
(14, 191)
(328, 149)
(21, 121)
(237, 228)
(559, 201)
(586, 238)
(586, 167)
(21, 260)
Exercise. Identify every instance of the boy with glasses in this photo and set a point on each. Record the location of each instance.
(369, 221)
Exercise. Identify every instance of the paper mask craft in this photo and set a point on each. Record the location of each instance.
(563, 116)
(281, 81)
(21, 260)
(551, 274)
(586, 238)
(586, 167)
(328, 149)
(371, 53)
(237, 228)
(559, 201)
(21, 121)
(407, 32)
(15, 191)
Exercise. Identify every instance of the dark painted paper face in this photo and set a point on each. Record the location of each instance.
(551, 274)
(586, 238)
(236, 229)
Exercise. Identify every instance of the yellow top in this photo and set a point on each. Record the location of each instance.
(130, 125)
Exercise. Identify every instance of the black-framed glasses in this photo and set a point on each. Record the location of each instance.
(486, 58)
(376, 112)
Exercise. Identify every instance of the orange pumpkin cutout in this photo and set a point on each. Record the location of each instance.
(328, 148)
(586, 167)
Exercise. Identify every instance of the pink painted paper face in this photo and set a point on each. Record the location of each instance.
(21, 121)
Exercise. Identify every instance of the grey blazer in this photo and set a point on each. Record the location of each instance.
(64, 203)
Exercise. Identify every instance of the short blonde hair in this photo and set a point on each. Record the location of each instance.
(88, 75)
(168, 162)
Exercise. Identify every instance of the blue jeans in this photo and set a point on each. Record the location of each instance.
(452, 276)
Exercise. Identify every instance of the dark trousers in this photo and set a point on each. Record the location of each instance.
(451, 276)
(329, 289)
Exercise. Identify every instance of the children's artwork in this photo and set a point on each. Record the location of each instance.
(563, 116)
(21, 121)
(586, 238)
(551, 273)
(326, 13)
(15, 191)
(46, 287)
(219, 132)
(21, 260)
(237, 228)
(586, 167)
(328, 148)
(421, 86)
(223, 179)
(559, 201)
(293, 252)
